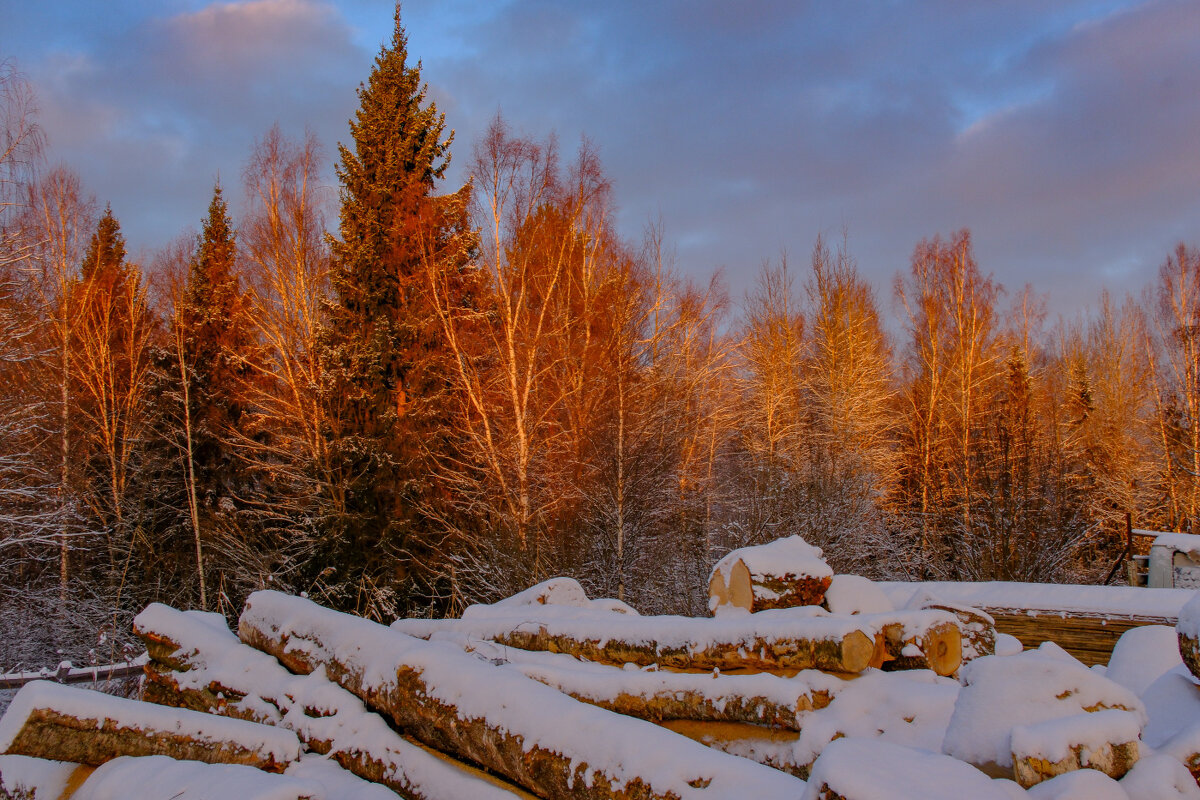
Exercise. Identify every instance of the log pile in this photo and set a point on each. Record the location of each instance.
(548, 694)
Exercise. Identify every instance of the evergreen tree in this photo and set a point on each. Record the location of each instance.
(211, 342)
(383, 354)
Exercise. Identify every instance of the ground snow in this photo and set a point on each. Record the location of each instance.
(1172, 703)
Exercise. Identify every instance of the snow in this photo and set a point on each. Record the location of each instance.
(1172, 704)
(1142, 655)
(1117, 602)
(872, 769)
(556, 591)
(603, 744)
(38, 777)
(1179, 542)
(1159, 777)
(1053, 739)
(1008, 645)
(1002, 692)
(790, 555)
(1082, 784)
(1189, 618)
(910, 707)
(164, 778)
(347, 725)
(336, 782)
(853, 594)
(116, 713)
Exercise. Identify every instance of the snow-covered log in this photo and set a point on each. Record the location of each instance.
(217, 673)
(871, 769)
(1188, 631)
(47, 720)
(1106, 741)
(763, 699)
(784, 573)
(784, 640)
(536, 736)
(923, 639)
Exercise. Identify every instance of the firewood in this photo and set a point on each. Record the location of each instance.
(924, 639)
(219, 674)
(785, 573)
(977, 628)
(47, 720)
(552, 745)
(771, 747)
(1103, 740)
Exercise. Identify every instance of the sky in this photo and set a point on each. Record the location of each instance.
(1065, 135)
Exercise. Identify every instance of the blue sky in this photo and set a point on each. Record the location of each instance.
(1066, 135)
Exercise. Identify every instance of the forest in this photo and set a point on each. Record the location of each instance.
(399, 398)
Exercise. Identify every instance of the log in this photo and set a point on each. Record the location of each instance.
(552, 745)
(219, 674)
(47, 720)
(977, 629)
(771, 641)
(762, 699)
(923, 639)
(770, 747)
(782, 574)
(1102, 740)
(1189, 650)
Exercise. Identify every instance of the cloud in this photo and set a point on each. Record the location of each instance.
(151, 113)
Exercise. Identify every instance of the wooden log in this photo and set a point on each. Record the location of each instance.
(977, 627)
(56, 722)
(782, 574)
(538, 737)
(771, 747)
(1189, 650)
(772, 641)
(219, 674)
(1102, 740)
(762, 699)
(918, 640)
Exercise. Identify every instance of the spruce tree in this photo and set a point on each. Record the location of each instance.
(212, 341)
(383, 355)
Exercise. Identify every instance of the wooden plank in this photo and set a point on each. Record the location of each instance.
(1089, 638)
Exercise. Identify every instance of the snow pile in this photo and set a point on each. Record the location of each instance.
(853, 594)
(1160, 777)
(911, 707)
(872, 769)
(36, 777)
(607, 747)
(1008, 645)
(1142, 655)
(1002, 692)
(1172, 704)
(163, 778)
(116, 713)
(1082, 784)
(790, 555)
